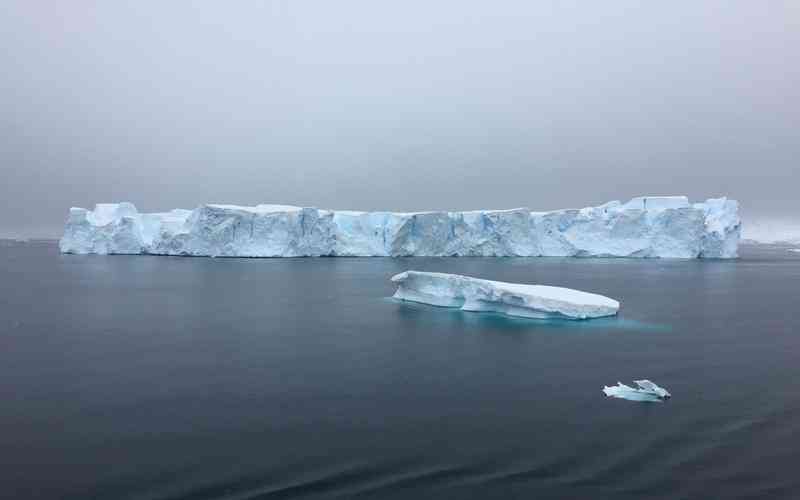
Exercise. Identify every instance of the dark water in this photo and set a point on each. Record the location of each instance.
(192, 378)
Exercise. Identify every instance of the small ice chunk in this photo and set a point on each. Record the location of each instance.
(645, 391)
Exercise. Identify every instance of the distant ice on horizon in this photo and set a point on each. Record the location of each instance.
(771, 230)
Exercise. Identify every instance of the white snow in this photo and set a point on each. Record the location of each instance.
(514, 299)
(645, 391)
(644, 227)
(657, 202)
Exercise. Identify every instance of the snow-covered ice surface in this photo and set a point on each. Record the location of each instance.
(529, 301)
(645, 391)
(660, 226)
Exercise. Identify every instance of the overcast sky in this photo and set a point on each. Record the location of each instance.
(408, 105)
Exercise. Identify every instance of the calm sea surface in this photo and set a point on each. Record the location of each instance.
(133, 377)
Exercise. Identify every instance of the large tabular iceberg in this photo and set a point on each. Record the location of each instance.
(643, 227)
(514, 299)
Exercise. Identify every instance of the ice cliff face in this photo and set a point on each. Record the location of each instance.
(513, 299)
(642, 227)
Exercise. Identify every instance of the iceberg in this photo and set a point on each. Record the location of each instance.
(650, 227)
(645, 391)
(513, 299)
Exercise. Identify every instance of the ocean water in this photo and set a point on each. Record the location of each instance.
(134, 377)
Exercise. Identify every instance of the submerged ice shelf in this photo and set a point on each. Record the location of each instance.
(665, 226)
(513, 299)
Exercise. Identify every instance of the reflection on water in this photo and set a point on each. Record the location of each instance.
(417, 312)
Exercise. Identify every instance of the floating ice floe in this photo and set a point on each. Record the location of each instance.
(513, 299)
(646, 391)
